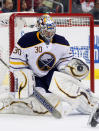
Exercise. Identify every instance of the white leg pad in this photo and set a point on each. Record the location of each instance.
(5, 103)
(29, 106)
(73, 92)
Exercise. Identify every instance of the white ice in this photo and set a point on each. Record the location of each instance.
(77, 122)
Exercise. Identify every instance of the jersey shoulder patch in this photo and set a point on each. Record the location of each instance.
(28, 40)
(60, 40)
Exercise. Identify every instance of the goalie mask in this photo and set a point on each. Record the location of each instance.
(46, 27)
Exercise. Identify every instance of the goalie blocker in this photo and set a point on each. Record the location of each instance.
(24, 83)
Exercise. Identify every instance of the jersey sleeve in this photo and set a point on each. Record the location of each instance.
(67, 53)
(66, 57)
(18, 59)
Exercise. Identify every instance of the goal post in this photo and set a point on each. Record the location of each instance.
(78, 29)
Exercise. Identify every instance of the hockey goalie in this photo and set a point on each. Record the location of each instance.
(42, 60)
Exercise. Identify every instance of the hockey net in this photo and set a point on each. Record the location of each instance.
(78, 29)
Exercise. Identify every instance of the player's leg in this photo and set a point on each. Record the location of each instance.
(73, 92)
(22, 102)
(44, 82)
(40, 83)
(11, 105)
(76, 95)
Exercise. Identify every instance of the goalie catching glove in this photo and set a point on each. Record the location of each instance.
(76, 68)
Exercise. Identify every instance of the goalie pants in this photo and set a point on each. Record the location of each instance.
(44, 82)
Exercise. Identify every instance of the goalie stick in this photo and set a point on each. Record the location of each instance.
(4, 63)
(46, 104)
(42, 100)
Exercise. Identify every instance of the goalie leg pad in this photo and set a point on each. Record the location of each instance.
(87, 101)
(5, 103)
(71, 90)
(65, 86)
(53, 99)
(28, 106)
(10, 105)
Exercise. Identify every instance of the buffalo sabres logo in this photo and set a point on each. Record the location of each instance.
(46, 61)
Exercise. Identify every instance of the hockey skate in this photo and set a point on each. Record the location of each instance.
(94, 117)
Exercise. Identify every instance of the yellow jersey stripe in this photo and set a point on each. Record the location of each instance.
(17, 63)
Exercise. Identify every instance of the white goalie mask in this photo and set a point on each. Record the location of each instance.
(46, 27)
